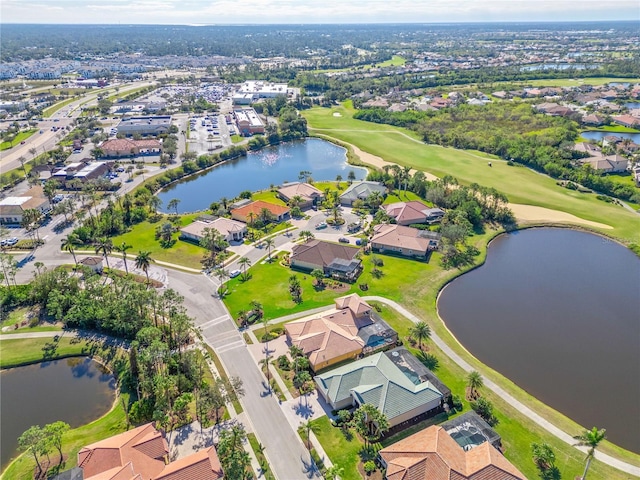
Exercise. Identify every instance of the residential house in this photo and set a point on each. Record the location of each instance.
(395, 382)
(407, 241)
(588, 148)
(231, 230)
(253, 211)
(360, 191)
(341, 333)
(593, 119)
(123, 147)
(309, 195)
(334, 259)
(94, 263)
(407, 213)
(142, 454)
(12, 208)
(608, 164)
(431, 454)
(627, 121)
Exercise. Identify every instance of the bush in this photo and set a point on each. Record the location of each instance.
(283, 363)
(369, 467)
(377, 261)
(456, 403)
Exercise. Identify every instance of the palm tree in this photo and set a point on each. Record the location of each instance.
(543, 456)
(154, 203)
(269, 243)
(69, 243)
(257, 309)
(173, 204)
(335, 471)
(420, 331)
(122, 248)
(306, 235)
(105, 246)
(143, 260)
(590, 438)
(474, 382)
(370, 423)
(309, 427)
(245, 263)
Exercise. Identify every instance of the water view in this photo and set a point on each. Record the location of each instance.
(556, 311)
(74, 390)
(598, 136)
(271, 165)
(557, 66)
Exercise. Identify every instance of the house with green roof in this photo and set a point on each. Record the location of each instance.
(395, 382)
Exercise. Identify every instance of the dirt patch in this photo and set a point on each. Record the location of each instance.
(531, 213)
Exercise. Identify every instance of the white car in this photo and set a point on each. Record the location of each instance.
(234, 273)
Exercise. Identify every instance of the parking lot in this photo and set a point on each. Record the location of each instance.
(208, 133)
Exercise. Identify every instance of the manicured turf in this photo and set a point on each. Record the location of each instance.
(19, 138)
(520, 184)
(401, 196)
(341, 451)
(142, 238)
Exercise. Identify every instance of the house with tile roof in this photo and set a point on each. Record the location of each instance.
(340, 333)
(627, 121)
(431, 454)
(360, 191)
(124, 147)
(252, 212)
(142, 454)
(406, 241)
(407, 213)
(395, 382)
(334, 259)
(309, 195)
(231, 230)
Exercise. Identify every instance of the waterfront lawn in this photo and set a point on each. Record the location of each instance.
(142, 238)
(520, 184)
(268, 196)
(401, 196)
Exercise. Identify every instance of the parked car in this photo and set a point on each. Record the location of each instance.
(321, 225)
(343, 240)
(9, 242)
(234, 273)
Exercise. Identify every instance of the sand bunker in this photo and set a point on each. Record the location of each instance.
(540, 214)
(337, 114)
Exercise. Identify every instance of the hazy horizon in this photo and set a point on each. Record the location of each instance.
(284, 12)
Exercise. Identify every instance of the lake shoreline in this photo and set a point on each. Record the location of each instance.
(556, 417)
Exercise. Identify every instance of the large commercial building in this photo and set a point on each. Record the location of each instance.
(253, 90)
(13, 208)
(145, 125)
(248, 122)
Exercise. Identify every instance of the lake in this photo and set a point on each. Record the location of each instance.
(556, 312)
(75, 390)
(598, 136)
(259, 170)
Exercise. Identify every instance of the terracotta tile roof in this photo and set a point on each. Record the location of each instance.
(224, 226)
(403, 237)
(407, 212)
(124, 144)
(91, 261)
(257, 206)
(354, 303)
(116, 452)
(432, 454)
(203, 465)
(322, 253)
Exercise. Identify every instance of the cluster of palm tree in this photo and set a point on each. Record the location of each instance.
(105, 246)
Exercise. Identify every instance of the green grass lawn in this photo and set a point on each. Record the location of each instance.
(19, 138)
(142, 237)
(268, 196)
(520, 184)
(236, 138)
(47, 112)
(262, 460)
(401, 196)
(570, 82)
(613, 128)
(342, 451)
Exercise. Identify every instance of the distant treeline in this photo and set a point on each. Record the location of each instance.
(510, 130)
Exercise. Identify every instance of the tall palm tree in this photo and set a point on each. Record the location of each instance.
(122, 248)
(474, 382)
(69, 243)
(543, 456)
(309, 427)
(269, 243)
(143, 260)
(420, 331)
(173, 204)
(590, 438)
(104, 246)
(245, 263)
(306, 235)
(154, 203)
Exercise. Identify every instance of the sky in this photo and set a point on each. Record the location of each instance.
(312, 11)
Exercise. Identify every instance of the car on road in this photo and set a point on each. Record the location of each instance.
(234, 273)
(22, 142)
(343, 240)
(41, 131)
(9, 242)
(321, 225)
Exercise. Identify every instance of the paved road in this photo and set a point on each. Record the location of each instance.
(286, 454)
(507, 397)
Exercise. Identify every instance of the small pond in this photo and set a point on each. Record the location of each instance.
(556, 311)
(259, 170)
(75, 390)
(598, 136)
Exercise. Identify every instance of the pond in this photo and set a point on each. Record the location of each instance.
(556, 312)
(259, 170)
(598, 136)
(75, 390)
